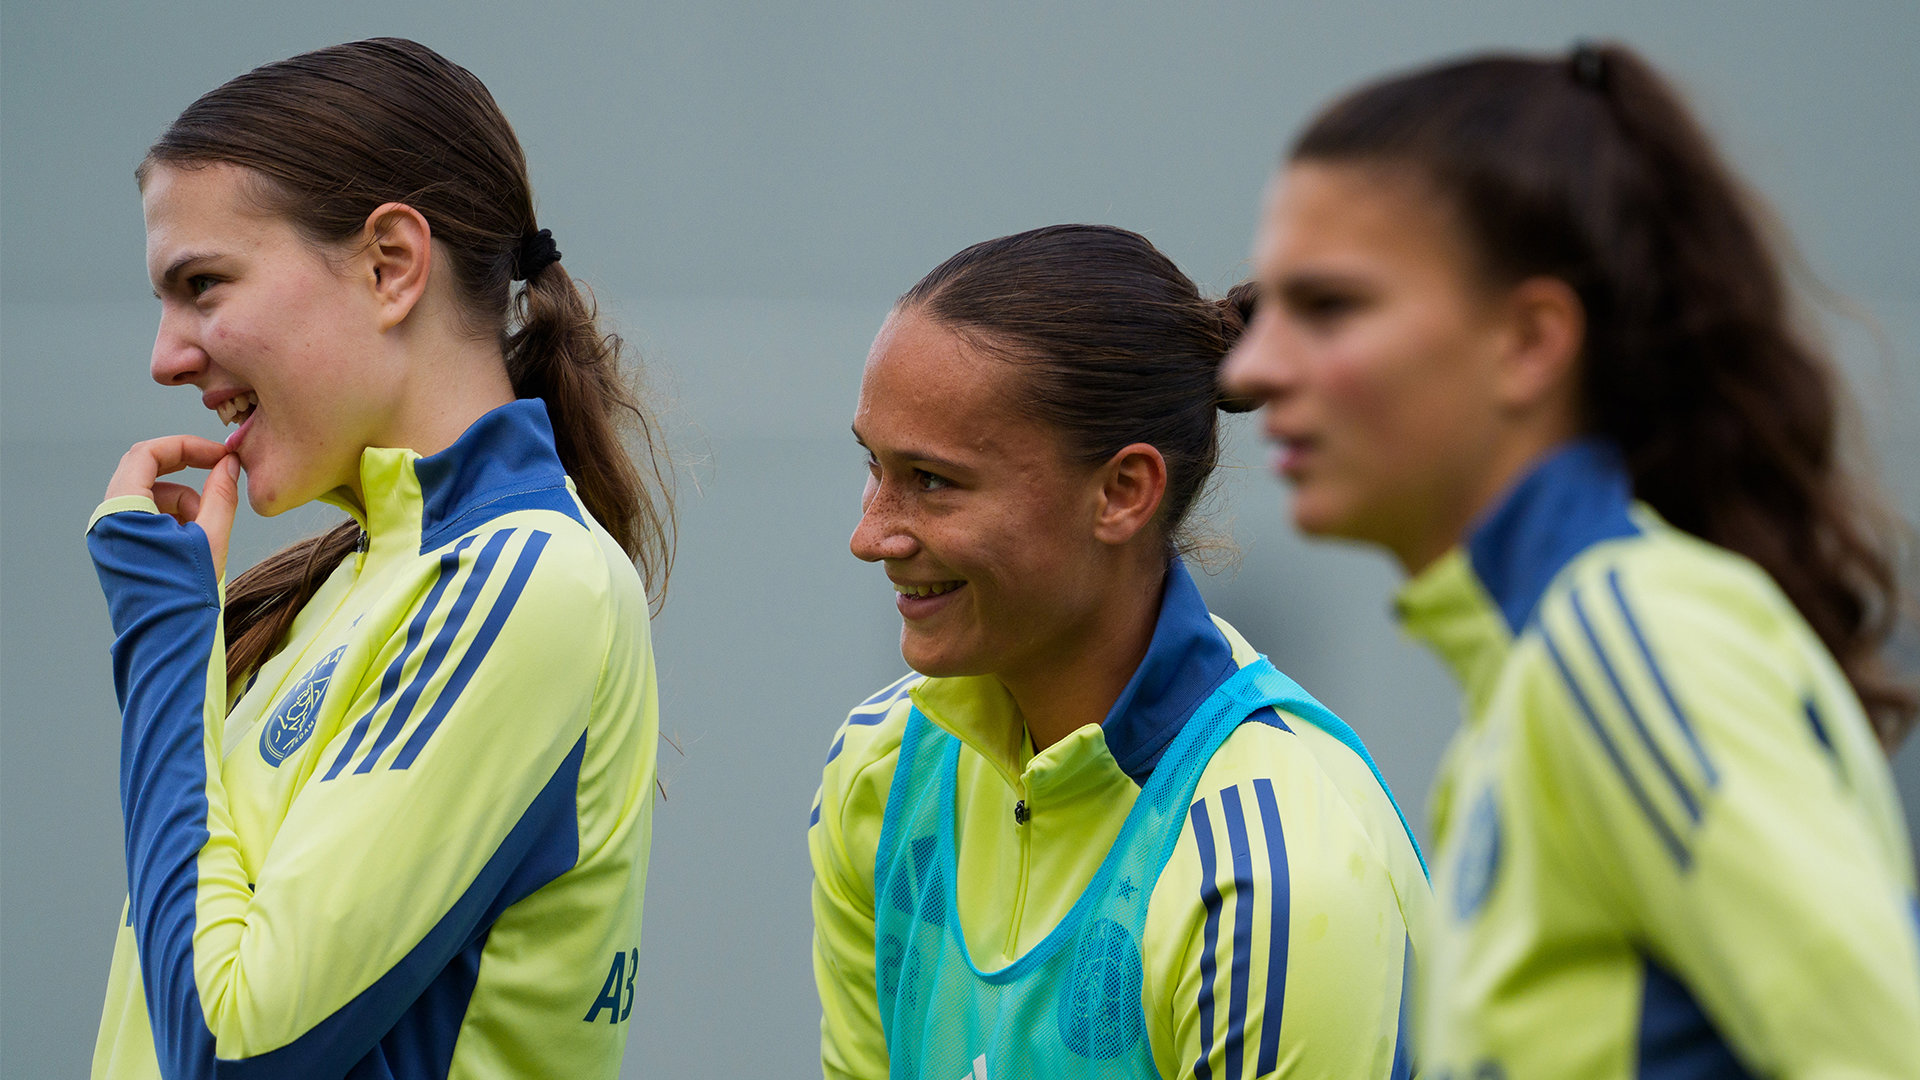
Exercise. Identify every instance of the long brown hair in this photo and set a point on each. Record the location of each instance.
(333, 134)
(1115, 345)
(1590, 168)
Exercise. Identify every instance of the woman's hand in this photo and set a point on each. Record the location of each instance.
(211, 508)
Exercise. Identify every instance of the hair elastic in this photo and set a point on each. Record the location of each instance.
(1589, 66)
(536, 253)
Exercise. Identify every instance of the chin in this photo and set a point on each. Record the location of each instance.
(928, 658)
(1315, 515)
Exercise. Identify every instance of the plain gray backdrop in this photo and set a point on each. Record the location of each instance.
(748, 187)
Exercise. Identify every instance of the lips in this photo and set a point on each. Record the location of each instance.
(923, 600)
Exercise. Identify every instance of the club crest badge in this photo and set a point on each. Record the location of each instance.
(291, 724)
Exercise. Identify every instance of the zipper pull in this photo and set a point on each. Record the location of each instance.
(1021, 815)
(361, 545)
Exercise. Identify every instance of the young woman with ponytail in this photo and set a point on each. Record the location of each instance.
(387, 796)
(1521, 327)
(1093, 833)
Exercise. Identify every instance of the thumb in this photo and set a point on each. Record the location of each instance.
(218, 501)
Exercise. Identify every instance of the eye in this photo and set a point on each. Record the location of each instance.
(1323, 306)
(198, 284)
(873, 463)
(930, 481)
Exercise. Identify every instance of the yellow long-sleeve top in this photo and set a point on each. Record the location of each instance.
(1264, 954)
(416, 845)
(1668, 843)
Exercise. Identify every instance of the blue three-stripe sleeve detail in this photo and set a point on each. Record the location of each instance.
(1680, 788)
(1281, 930)
(400, 1019)
(477, 652)
(416, 629)
(1660, 826)
(1210, 897)
(1242, 854)
(1660, 679)
(437, 652)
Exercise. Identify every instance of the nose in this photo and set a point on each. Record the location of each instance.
(882, 532)
(178, 358)
(1261, 365)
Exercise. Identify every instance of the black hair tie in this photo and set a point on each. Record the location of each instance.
(1589, 67)
(535, 253)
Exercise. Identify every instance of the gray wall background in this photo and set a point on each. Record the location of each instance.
(748, 186)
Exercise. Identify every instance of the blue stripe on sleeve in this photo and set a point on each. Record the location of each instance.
(164, 602)
(1680, 788)
(1660, 826)
(1403, 1064)
(476, 653)
(874, 710)
(397, 1016)
(839, 744)
(437, 652)
(1660, 680)
(1281, 932)
(1242, 853)
(1209, 896)
(1819, 728)
(416, 629)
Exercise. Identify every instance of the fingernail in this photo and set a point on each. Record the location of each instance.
(233, 466)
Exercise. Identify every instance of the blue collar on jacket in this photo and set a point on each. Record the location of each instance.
(1576, 496)
(504, 461)
(1187, 660)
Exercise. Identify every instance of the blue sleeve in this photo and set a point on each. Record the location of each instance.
(164, 601)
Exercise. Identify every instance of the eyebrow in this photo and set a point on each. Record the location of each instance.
(918, 455)
(173, 271)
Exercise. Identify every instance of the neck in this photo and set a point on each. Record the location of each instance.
(1071, 691)
(1453, 520)
(447, 389)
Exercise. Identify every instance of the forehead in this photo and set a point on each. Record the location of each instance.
(928, 389)
(203, 210)
(1340, 217)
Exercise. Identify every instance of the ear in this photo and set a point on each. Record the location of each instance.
(398, 257)
(1549, 325)
(1132, 482)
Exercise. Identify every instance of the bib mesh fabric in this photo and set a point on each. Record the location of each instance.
(1070, 1007)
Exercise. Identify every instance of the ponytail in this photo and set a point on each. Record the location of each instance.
(1589, 168)
(560, 356)
(318, 132)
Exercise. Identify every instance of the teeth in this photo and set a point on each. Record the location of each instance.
(237, 408)
(923, 591)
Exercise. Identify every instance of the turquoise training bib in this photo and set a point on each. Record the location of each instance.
(1069, 1007)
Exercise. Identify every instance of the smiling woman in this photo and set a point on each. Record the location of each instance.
(387, 798)
(1094, 833)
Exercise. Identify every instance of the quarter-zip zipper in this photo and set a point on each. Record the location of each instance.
(1023, 830)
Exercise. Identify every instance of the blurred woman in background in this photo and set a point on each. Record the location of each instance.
(1093, 833)
(1519, 326)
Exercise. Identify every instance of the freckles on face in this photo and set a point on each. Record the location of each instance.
(1376, 363)
(981, 523)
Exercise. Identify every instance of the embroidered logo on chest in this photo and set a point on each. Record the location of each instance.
(291, 724)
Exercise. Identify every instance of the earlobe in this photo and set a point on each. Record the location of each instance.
(1132, 483)
(398, 245)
